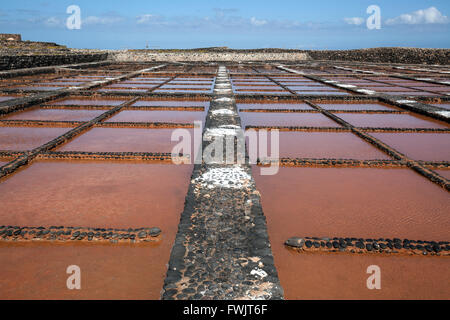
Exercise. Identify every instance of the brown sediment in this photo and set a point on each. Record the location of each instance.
(26, 138)
(170, 103)
(39, 88)
(335, 276)
(353, 202)
(110, 194)
(392, 120)
(185, 86)
(98, 102)
(426, 146)
(281, 105)
(347, 202)
(106, 89)
(322, 145)
(124, 140)
(262, 92)
(286, 119)
(318, 87)
(356, 106)
(444, 172)
(404, 93)
(130, 85)
(158, 116)
(55, 115)
(322, 92)
(38, 270)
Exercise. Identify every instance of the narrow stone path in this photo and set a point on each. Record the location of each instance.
(222, 249)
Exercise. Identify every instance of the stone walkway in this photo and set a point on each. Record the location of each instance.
(222, 249)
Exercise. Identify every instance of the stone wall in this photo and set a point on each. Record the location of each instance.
(8, 62)
(7, 36)
(380, 55)
(386, 55)
(205, 56)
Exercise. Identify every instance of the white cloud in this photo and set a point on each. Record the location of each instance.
(93, 20)
(357, 21)
(425, 16)
(53, 22)
(257, 22)
(144, 18)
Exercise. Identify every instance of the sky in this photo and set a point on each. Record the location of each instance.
(293, 24)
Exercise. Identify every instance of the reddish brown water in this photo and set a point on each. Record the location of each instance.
(158, 116)
(286, 119)
(106, 89)
(84, 102)
(387, 89)
(355, 202)
(129, 85)
(171, 103)
(250, 88)
(433, 88)
(185, 86)
(109, 194)
(355, 106)
(56, 114)
(335, 276)
(404, 93)
(38, 271)
(26, 138)
(123, 140)
(444, 172)
(419, 146)
(62, 83)
(37, 88)
(281, 105)
(337, 93)
(262, 92)
(182, 90)
(294, 144)
(101, 194)
(311, 88)
(391, 120)
(255, 82)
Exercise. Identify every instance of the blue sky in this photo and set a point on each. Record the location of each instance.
(298, 24)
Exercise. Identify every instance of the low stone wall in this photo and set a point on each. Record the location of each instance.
(386, 55)
(8, 36)
(65, 234)
(360, 245)
(8, 62)
(380, 55)
(205, 56)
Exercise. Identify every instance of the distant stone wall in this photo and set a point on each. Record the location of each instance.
(386, 55)
(8, 36)
(8, 62)
(193, 55)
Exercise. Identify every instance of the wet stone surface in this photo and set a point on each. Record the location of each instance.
(222, 250)
(370, 246)
(66, 234)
